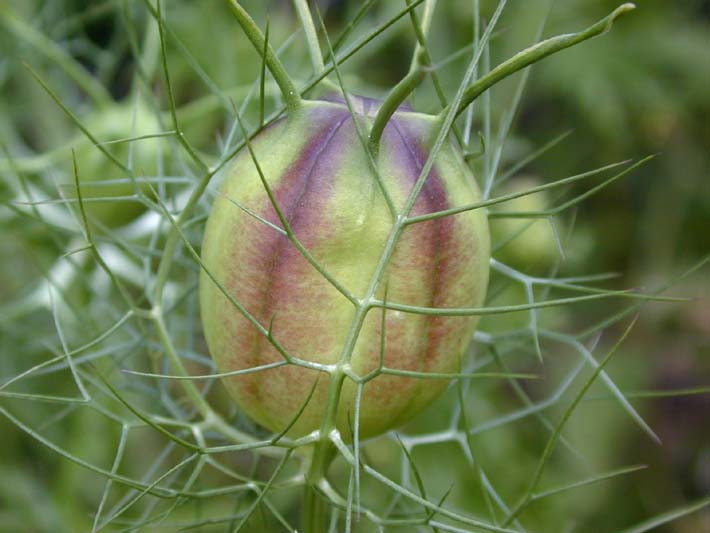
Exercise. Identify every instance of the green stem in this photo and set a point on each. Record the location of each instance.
(313, 519)
(309, 29)
(354, 21)
(150, 54)
(262, 76)
(535, 53)
(78, 123)
(171, 97)
(421, 30)
(189, 387)
(324, 450)
(291, 95)
(390, 104)
(314, 508)
(422, 59)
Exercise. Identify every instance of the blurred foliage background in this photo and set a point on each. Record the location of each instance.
(641, 89)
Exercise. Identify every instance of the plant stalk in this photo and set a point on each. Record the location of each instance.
(390, 105)
(534, 54)
(291, 95)
(309, 28)
(314, 509)
(313, 519)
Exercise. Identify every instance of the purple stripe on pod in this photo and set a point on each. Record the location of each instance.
(449, 255)
(259, 252)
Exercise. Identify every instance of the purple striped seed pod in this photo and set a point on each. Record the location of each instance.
(318, 170)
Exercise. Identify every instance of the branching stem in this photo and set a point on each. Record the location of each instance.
(291, 95)
(309, 28)
(535, 53)
(421, 31)
(390, 104)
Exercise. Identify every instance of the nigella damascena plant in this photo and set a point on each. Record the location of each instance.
(346, 255)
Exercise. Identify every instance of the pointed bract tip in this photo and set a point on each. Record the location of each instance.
(624, 8)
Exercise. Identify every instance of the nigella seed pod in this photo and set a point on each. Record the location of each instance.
(321, 179)
(283, 289)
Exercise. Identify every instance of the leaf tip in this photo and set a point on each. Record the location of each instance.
(622, 9)
(618, 12)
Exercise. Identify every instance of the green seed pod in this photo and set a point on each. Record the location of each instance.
(525, 243)
(319, 173)
(102, 182)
